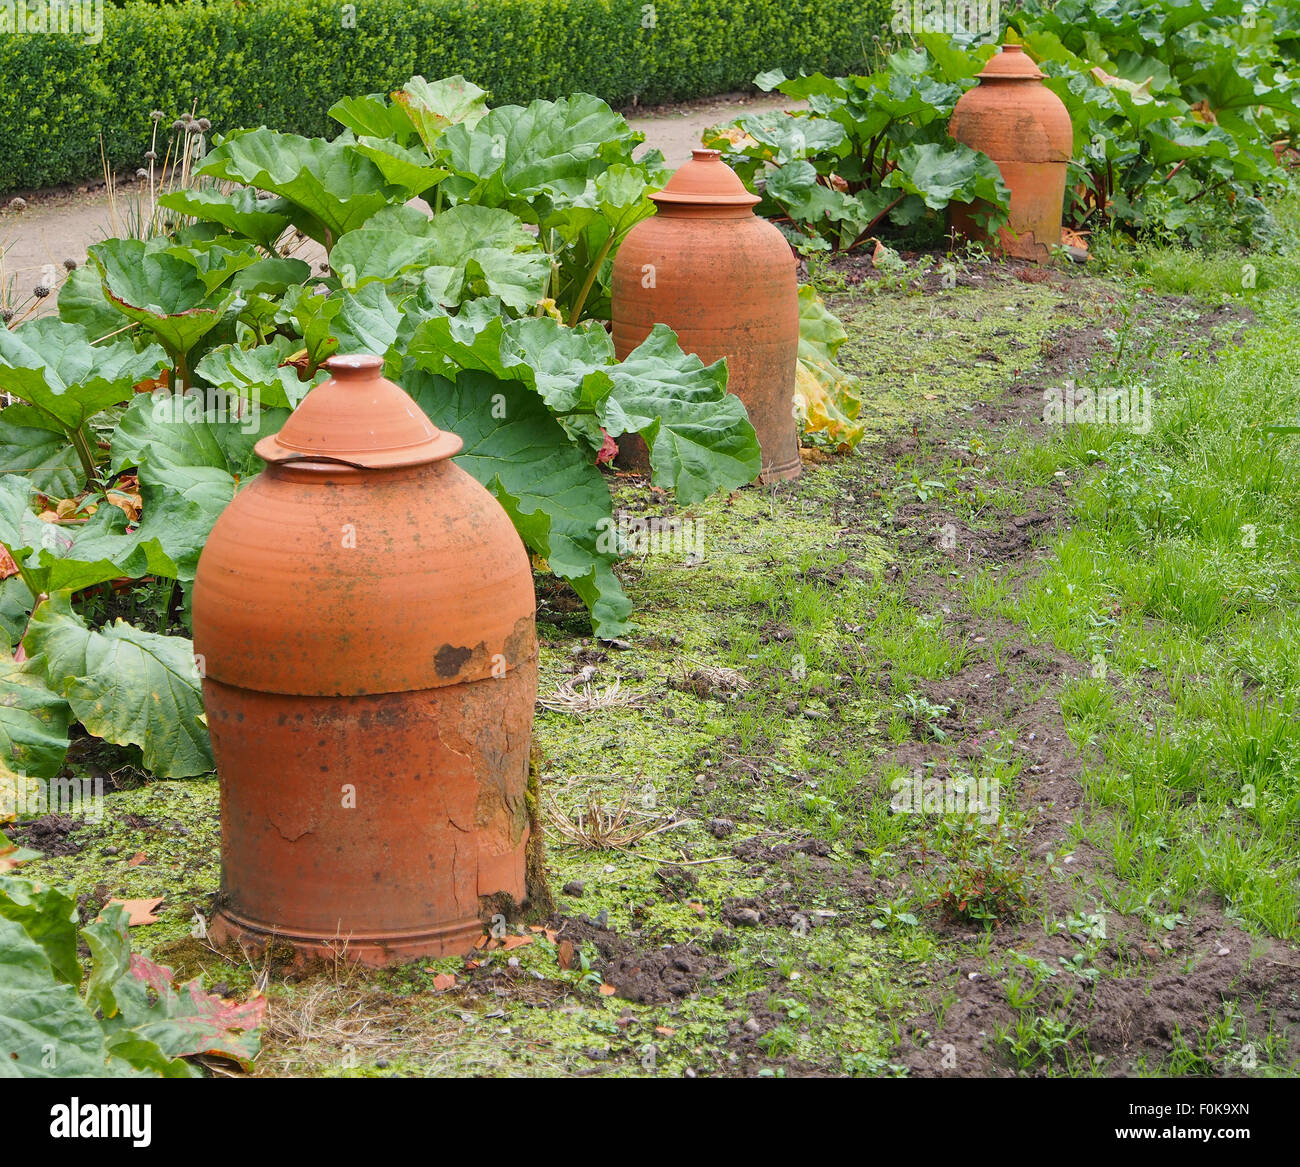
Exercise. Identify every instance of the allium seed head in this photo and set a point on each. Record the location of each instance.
(141, 173)
(70, 264)
(157, 115)
(6, 314)
(205, 125)
(178, 125)
(17, 204)
(151, 155)
(40, 291)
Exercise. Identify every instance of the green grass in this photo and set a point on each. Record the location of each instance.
(1181, 580)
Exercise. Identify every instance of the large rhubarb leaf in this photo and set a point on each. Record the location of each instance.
(331, 186)
(161, 291)
(33, 444)
(465, 252)
(177, 431)
(182, 1023)
(828, 399)
(433, 106)
(55, 556)
(240, 212)
(548, 148)
(943, 174)
(126, 686)
(131, 1021)
(699, 435)
(53, 366)
(258, 376)
(33, 724)
(550, 488)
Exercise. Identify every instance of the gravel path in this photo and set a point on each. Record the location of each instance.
(61, 225)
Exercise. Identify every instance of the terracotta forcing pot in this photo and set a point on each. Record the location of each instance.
(1025, 128)
(724, 281)
(363, 614)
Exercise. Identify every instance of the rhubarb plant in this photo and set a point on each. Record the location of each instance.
(123, 1019)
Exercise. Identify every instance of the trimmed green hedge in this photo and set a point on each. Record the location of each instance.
(283, 63)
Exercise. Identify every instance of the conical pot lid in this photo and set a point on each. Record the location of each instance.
(705, 181)
(1011, 63)
(360, 419)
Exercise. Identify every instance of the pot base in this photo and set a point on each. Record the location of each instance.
(791, 468)
(456, 939)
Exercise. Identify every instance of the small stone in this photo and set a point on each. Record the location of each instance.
(111, 850)
(575, 887)
(1224, 951)
(382, 1063)
(513, 962)
(753, 1026)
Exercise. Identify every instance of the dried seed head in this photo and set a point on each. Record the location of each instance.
(157, 115)
(187, 117)
(17, 204)
(151, 155)
(142, 173)
(205, 125)
(6, 314)
(178, 125)
(70, 264)
(40, 291)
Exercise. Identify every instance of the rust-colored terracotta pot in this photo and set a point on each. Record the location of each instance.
(1025, 128)
(364, 615)
(724, 281)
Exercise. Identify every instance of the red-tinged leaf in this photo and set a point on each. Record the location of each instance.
(607, 990)
(136, 859)
(187, 1023)
(565, 956)
(515, 942)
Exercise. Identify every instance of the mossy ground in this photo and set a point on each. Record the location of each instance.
(820, 648)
